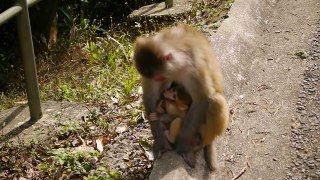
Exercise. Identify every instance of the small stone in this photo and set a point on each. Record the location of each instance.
(301, 108)
(123, 166)
(302, 95)
(312, 90)
(126, 156)
(121, 129)
(75, 142)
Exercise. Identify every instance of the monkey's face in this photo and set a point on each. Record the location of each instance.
(175, 109)
(174, 106)
(148, 59)
(170, 94)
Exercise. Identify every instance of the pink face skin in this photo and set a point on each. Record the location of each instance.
(170, 94)
(158, 78)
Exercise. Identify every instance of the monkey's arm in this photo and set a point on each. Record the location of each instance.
(160, 113)
(196, 115)
(199, 89)
(184, 142)
(151, 95)
(215, 123)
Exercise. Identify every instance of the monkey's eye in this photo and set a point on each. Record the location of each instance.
(175, 96)
(167, 57)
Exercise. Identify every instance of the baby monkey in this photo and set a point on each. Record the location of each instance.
(171, 110)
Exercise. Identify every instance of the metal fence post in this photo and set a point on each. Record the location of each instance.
(24, 31)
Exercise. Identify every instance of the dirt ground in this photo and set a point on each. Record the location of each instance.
(273, 90)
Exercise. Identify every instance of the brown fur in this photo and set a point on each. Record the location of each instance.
(177, 109)
(171, 110)
(194, 66)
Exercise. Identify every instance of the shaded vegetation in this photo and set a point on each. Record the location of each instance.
(89, 63)
(76, 150)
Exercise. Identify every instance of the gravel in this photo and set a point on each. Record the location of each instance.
(305, 133)
(126, 154)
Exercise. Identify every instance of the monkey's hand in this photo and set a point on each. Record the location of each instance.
(161, 146)
(161, 143)
(160, 107)
(154, 117)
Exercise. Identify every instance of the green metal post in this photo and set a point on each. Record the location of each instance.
(24, 31)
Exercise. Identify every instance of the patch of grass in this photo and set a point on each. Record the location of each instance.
(103, 173)
(207, 12)
(92, 64)
(69, 128)
(6, 101)
(97, 118)
(75, 162)
(93, 70)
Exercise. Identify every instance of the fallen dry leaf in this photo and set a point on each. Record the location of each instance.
(99, 145)
(147, 149)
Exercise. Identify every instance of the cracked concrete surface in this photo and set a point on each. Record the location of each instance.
(15, 122)
(256, 48)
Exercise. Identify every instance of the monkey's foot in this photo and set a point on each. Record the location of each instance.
(211, 165)
(160, 147)
(209, 153)
(189, 158)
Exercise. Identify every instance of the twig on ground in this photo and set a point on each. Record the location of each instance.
(278, 108)
(241, 172)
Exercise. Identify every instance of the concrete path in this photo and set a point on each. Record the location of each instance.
(256, 47)
(15, 122)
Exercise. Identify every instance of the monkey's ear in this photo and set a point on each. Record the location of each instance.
(140, 41)
(167, 57)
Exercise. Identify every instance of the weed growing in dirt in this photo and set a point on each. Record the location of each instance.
(75, 151)
(210, 13)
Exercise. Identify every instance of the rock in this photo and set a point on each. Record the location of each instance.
(171, 166)
(159, 9)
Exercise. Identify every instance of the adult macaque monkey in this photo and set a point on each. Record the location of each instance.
(183, 55)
